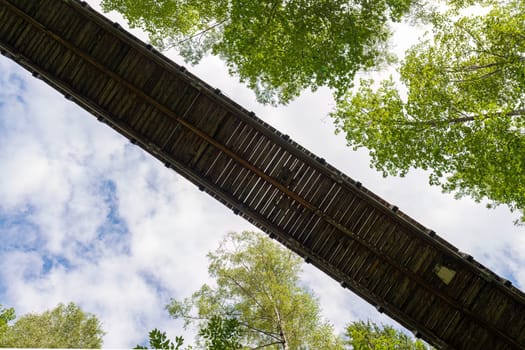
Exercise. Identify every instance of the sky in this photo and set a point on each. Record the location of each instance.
(87, 217)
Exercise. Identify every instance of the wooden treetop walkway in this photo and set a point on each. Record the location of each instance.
(368, 245)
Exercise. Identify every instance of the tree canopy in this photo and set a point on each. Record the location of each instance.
(278, 48)
(370, 336)
(463, 116)
(258, 301)
(159, 340)
(62, 327)
(360, 335)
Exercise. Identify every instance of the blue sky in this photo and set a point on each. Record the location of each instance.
(85, 216)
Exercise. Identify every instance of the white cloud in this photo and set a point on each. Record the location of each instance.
(55, 160)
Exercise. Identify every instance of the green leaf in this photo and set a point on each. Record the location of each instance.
(459, 111)
(65, 326)
(277, 48)
(257, 299)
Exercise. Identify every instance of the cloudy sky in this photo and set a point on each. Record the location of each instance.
(87, 217)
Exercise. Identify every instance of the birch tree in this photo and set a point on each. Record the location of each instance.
(258, 289)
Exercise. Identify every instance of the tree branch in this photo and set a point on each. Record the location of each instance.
(272, 11)
(474, 67)
(488, 53)
(198, 33)
(481, 77)
(475, 38)
(265, 345)
(244, 324)
(516, 113)
(439, 122)
(270, 334)
(466, 118)
(244, 290)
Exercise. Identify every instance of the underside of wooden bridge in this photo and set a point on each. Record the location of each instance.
(357, 238)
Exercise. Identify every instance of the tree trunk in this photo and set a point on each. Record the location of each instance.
(281, 329)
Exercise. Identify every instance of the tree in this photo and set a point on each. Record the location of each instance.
(159, 340)
(6, 316)
(258, 301)
(463, 117)
(221, 333)
(370, 336)
(63, 327)
(216, 334)
(278, 48)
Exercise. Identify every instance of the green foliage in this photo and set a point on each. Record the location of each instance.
(278, 48)
(159, 340)
(221, 333)
(370, 336)
(217, 333)
(463, 116)
(257, 301)
(63, 327)
(6, 316)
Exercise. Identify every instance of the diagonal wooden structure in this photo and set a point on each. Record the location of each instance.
(354, 236)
